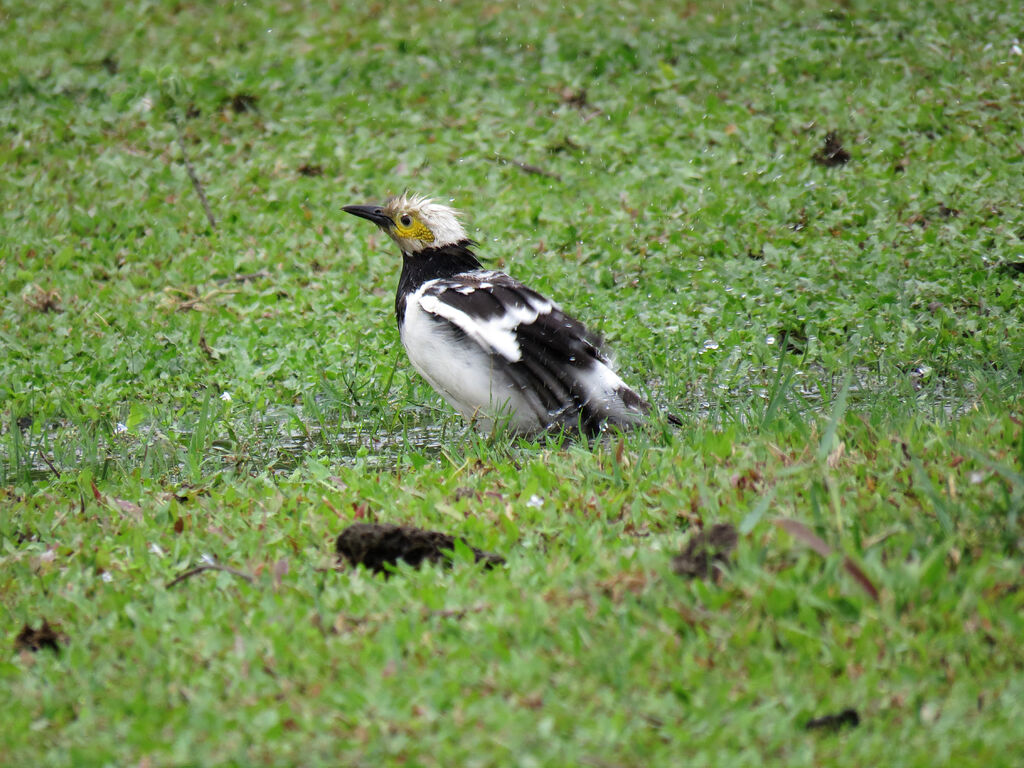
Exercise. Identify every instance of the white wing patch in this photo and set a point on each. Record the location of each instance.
(498, 351)
(467, 375)
(494, 334)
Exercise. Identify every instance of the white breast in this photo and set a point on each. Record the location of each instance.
(469, 378)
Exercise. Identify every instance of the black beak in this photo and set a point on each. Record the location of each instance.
(372, 213)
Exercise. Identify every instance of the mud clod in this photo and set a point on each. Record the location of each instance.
(377, 546)
(705, 550)
(833, 153)
(36, 639)
(243, 102)
(848, 717)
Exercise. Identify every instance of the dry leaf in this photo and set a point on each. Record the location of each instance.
(804, 534)
(280, 571)
(836, 456)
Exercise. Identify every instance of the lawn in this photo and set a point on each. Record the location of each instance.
(800, 228)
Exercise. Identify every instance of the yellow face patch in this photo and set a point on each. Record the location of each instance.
(411, 228)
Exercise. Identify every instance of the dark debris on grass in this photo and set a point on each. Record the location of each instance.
(377, 546)
(34, 640)
(110, 64)
(42, 300)
(847, 718)
(832, 153)
(793, 340)
(25, 536)
(242, 102)
(705, 550)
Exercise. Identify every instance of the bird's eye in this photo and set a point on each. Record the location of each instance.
(406, 219)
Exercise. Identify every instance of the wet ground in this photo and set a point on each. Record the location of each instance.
(277, 439)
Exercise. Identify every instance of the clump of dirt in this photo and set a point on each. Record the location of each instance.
(42, 300)
(848, 717)
(941, 211)
(378, 546)
(36, 639)
(705, 550)
(242, 102)
(832, 154)
(574, 97)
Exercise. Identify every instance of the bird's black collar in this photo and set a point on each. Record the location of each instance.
(430, 264)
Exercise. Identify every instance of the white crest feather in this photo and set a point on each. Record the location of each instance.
(442, 221)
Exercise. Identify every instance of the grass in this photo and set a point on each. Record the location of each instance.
(844, 345)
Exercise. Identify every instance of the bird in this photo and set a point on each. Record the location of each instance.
(500, 353)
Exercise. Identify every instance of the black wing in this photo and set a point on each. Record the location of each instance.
(542, 349)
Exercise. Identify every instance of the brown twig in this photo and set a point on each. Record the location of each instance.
(524, 167)
(49, 463)
(197, 300)
(207, 349)
(209, 567)
(805, 535)
(196, 183)
(243, 278)
(457, 613)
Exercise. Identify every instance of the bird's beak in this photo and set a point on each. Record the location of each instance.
(372, 213)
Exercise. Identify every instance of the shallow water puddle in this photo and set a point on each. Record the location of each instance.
(277, 439)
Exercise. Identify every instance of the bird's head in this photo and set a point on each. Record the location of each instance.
(415, 223)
